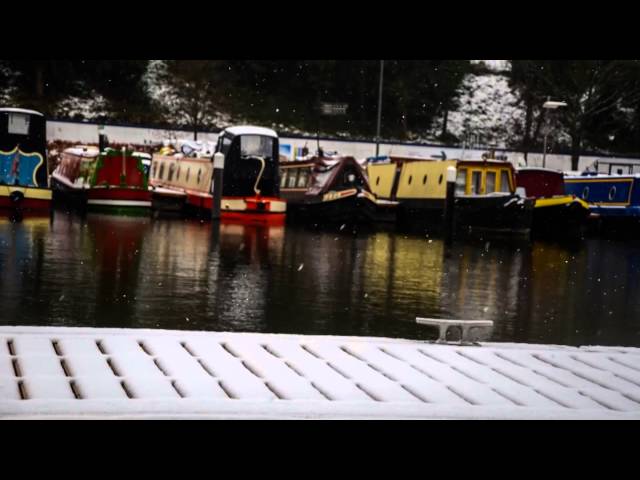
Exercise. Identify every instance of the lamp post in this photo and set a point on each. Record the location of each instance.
(549, 105)
(379, 108)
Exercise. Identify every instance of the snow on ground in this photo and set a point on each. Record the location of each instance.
(49, 372)
(488, 112)
(91, 107)
(166, 98)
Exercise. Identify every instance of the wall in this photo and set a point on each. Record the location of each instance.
(88, 133)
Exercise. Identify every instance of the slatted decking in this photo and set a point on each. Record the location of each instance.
(60, 372)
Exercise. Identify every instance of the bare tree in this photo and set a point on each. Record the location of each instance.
(192, 91)
(590, 88)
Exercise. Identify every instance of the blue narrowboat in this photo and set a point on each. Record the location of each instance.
(611, 189)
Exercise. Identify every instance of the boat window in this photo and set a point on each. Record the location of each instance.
(199, 176)
(504, 181)
(410, 178)
(188, 172)
(223, 145)
(292, 178)
(377, 181)
(303, 177)
(612, 193)
(476, 182)
(18, 124)
(178, 174)
(172, 169)
(256, 145)
(161, 171)
(424, 180)
(490, 182)
(461, 182)
(585, 193)
(440, 179)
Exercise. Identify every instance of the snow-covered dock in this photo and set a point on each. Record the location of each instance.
(50, 372)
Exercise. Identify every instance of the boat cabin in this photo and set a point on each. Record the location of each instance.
(251, 158)
(484, 177)
(540, 182)
(319, 176)
(413, 178)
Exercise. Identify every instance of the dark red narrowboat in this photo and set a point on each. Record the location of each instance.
(555, 213)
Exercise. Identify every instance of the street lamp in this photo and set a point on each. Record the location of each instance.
(549, 105)
(379, 108)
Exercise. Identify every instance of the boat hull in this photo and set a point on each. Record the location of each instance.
(251, 210)
(565, 218)
(508, 215)
(348, 210)
(17, 201)
(116, 200)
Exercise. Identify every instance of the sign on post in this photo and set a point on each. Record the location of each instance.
(333, 108)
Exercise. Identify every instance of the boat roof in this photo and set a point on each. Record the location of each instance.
(543, 169)
(618, 161)
(20, 110)
(251, 130)
(82, 151)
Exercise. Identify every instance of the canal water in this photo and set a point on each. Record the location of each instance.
(110, 271)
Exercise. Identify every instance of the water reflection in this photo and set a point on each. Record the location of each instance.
(136, 272)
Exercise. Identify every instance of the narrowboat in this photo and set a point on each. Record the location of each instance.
(24, 179)
(555, 212)
(112, 181)
(182, 182)
(486, 201)
(612, 191)
(331, 190)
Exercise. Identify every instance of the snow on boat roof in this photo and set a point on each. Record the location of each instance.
(538, 169)
(251, 130)
(80, 151)
(20, 110)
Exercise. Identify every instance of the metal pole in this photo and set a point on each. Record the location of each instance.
(544, 148)
(449, 204)
(218, 169)
(546, 132)
(379, 108)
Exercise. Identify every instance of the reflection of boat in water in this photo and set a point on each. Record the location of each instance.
(183, 182)
(555, 213)
(331, 190)
(112, 181)
(486, 200)
(612, 191)
(24, 186)
(254, 242)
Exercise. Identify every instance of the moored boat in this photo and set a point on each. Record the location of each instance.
(486, 201)
(612, 191)
(555, 213)
(113, 181)
(331, 191)
(182, 182)
(24, 182)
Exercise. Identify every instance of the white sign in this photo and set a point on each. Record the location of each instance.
(334, 108)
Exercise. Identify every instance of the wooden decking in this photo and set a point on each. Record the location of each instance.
(106, 373)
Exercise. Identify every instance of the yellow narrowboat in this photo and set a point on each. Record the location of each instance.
(485, 195)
